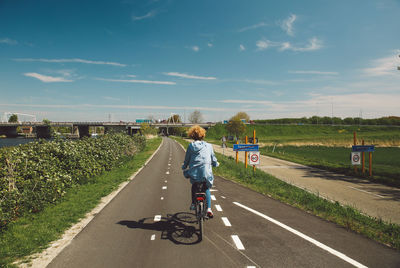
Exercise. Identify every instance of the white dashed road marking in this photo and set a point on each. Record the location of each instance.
(162, 198)
(237, 242)
(218, 207)
(167, 172)
(223, 196)
(213, 190)
(153, 237)
(164, 187)
(309, 239)
(157, 218)
(226, 221)
(213, 197)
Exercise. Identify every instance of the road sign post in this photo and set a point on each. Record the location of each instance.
(245, 154)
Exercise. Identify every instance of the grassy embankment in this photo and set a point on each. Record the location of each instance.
(328, 147)
(345, 216)
(315, 134)
(33, 233)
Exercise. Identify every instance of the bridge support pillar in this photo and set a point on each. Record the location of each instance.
(115, 129)
(83, 131)
(9, 131)
(43, 132)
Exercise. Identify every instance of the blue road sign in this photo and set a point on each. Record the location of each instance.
(245, 147)
(363, 148)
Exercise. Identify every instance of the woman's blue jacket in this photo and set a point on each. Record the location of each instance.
(200, 159)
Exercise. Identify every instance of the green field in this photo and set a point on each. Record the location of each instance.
(326, 147)
(315, 134)
(385, 160)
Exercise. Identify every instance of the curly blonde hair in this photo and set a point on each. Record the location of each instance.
(196, 132)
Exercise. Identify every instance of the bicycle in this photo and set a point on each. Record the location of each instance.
(201, 205)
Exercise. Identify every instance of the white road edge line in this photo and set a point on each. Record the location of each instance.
(365, 191)
(153, 237)
(157, 218)
(213, 197)
(237, 242)
(226, 221)
(309, 239)
(218, 208)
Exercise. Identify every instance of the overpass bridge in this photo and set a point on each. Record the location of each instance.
(81, 129)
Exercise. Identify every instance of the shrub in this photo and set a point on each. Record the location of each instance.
(39, 173)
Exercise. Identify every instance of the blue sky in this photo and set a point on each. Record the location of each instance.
(124, 60)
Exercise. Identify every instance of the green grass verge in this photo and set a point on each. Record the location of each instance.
(385, 160)
(324, 134)
(348, 217)
(33, 233)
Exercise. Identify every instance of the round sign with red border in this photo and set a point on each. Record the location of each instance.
(254, 158)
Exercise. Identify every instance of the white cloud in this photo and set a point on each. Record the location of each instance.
(195, 48)
(264, 44)
(76, 60)
(242, 47)
(252, 27)
(138, 81)
(149, 15)
(287, 25)
(111, 98)
(344, 105)
(129, 107)
(314, 44)
(131, 75)
(8, 41)
(182, 75)
(210, 45)
(47, 79)
(384, 66)
(314, 72)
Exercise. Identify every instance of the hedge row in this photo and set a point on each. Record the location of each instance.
(38, 173)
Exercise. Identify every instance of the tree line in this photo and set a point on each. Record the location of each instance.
(317, 120)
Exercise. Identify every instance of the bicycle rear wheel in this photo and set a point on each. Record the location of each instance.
(201, 219)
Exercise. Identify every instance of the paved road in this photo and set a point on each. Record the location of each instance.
(148, 224)
(373, 199)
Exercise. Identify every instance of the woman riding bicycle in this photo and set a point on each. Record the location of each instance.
(200, 159)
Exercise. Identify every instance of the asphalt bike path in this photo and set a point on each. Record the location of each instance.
(148, 224)
(377, 200)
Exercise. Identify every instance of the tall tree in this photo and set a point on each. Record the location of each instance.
(175, 119)
(13, 119)
(196, 117)
(240, 116)
(236, 127)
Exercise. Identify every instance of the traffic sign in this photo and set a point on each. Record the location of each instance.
(245, 147)
(363, 148)
(254, 158)
(355, 158)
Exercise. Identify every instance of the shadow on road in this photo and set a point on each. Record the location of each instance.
(387, 192)
(180, 228)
